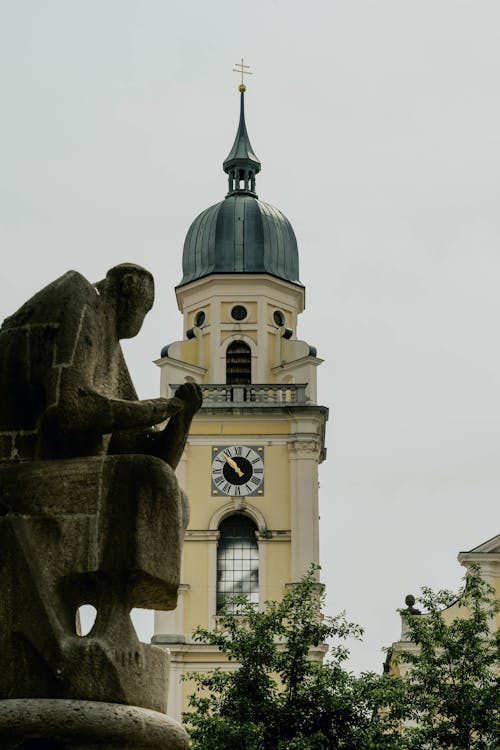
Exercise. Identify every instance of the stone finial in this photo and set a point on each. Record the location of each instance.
(410, 603)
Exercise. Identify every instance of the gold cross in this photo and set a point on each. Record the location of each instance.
(240, 68)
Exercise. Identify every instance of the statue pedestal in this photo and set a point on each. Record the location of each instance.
(59, 724)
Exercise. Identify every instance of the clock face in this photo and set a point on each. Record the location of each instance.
(238, 470)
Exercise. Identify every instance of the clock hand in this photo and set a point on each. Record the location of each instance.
(233, 465)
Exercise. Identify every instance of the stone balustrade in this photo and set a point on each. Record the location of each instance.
(255, 394)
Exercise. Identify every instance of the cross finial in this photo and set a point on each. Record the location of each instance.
(243, 69)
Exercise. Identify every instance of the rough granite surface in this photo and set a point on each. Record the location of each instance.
(90, 509)
(49, 724)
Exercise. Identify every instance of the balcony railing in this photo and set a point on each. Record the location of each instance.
(260, 394)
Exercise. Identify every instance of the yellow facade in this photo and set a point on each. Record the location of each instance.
(274, 414)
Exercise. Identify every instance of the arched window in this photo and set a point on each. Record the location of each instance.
(238, 363)
(237, 560)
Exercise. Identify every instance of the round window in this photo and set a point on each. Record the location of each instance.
(239, 312)
(279, 318)
(199, 318)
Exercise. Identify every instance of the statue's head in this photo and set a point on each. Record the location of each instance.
(130, 289)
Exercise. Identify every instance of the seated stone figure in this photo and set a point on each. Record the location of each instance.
(90, 509)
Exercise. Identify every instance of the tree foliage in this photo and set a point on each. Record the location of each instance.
(280, 699)
(452, 685)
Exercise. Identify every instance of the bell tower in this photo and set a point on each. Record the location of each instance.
(250, 467)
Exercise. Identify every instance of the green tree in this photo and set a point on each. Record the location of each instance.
(452, 688)
(278, 698)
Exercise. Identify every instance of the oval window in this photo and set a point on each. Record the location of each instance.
(199, 318)
(279, 318)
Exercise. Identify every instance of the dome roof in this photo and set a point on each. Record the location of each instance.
(241, 234)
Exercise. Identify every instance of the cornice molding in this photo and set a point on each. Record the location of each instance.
(295, 363)
(274, 536)
(223, 286)
(487, 547)
(304, 449)
(232, 438)
(194, 369)
(201, 535)
(291, 410)
(489, 562)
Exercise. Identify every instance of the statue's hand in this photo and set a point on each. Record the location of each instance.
(172, 439)
(190, 395)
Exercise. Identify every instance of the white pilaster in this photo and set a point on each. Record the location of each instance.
(304, 458)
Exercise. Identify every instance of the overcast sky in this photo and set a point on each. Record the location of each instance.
(378, 126)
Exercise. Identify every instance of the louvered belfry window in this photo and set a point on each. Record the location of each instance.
(238, 363)
(237, 561)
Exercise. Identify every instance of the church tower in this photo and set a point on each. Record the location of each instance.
(250, 468)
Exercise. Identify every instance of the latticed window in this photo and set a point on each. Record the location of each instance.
(237, 560)
(238, 363)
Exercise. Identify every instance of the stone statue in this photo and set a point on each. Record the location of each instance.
(90, 509)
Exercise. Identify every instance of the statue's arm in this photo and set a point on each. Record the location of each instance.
(83, 411)
(113, 415)
(168, 443)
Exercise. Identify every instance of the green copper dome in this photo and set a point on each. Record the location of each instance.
(241, 234)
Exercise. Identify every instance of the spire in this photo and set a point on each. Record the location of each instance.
(242, 164)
